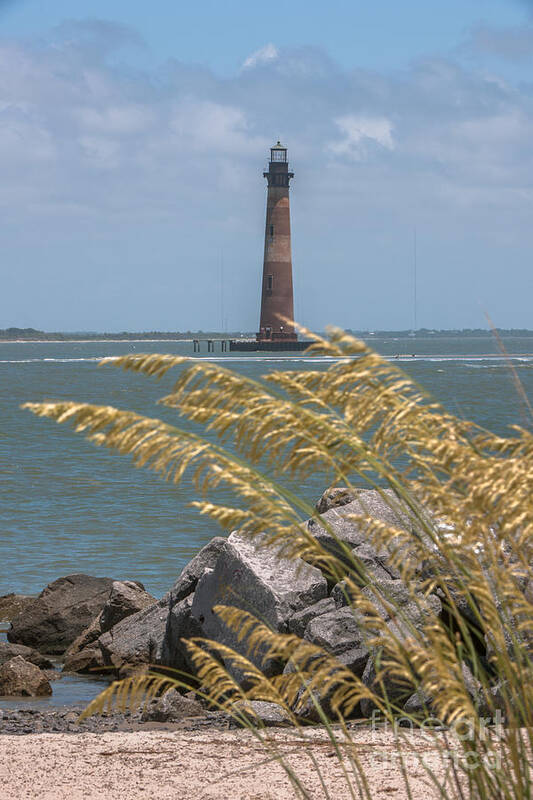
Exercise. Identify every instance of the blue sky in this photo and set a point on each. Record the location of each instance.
(133, 138)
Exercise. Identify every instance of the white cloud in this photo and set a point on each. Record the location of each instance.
(264, 55)
(358, 131)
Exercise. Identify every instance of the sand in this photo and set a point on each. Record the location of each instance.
(180, 765)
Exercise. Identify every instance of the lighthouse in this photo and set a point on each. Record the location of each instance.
(277, 302)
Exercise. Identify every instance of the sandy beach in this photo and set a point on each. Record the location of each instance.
(230, 764)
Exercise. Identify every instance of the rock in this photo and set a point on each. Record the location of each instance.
(85, 641)
(374, 565)
(334, 497)
(269, 715)
(341, 595)
(90, 659)
(371, 567)
(349, 534)
(172, 707)
(180, 625)
(251, 575)
(305, 706)
(13, 604)
(405, 613)
(419, 703)
(137, 639)
(193, 571)
(60, 613)
(299, 621)
(340, 633)
(19, 677)
(9, 651)
(52, 674)
(125, 599)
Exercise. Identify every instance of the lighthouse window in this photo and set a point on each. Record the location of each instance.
(271, 227)
(270, 282)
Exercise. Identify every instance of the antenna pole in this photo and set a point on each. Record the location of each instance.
(221, 291)
(414, 281)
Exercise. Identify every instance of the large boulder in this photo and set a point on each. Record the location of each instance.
(251, 575)
(19, 677)
(180, 625)
(404, 612)
(334, 497)
(13, 604)
(299, 621)
(344, 531)
(125, 599)
(260, 713)
(380, 505)
(340, 633)
(9, 651)
(173, 707)
(60, 613)
(136, 640)
(193, 571)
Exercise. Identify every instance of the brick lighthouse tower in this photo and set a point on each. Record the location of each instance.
(276, 293)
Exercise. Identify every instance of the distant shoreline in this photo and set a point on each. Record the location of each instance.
(87, 341)
(33, 336)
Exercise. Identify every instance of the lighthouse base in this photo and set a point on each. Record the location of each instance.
(268, 345)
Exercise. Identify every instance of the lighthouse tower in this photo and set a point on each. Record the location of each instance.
(277, 302)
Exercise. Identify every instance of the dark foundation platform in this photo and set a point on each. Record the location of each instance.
(275, 346)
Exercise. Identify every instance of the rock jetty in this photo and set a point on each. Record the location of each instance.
(109, 625)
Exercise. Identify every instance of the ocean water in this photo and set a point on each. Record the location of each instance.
(69, 507)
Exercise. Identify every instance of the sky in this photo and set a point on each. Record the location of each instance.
(133, 138)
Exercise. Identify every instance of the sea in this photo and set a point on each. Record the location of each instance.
(68, 506)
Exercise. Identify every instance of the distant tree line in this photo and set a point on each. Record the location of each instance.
(32, 334)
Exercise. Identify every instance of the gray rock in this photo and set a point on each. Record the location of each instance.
(346, 534)
(252, 576)
(335, 497)
(125, 599)
(90, 659)
(341, 595)
(193, 571)
(13, 604)
(405, 613)
(137, 639)
(386, 687)
(173, 707)
(305, 706)
(19, 677)
(180, 625)
(340, 633)
(418, 703)
(9, 651)
(60, 613)
(259, 712)
(299, 621)
(354, 659)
